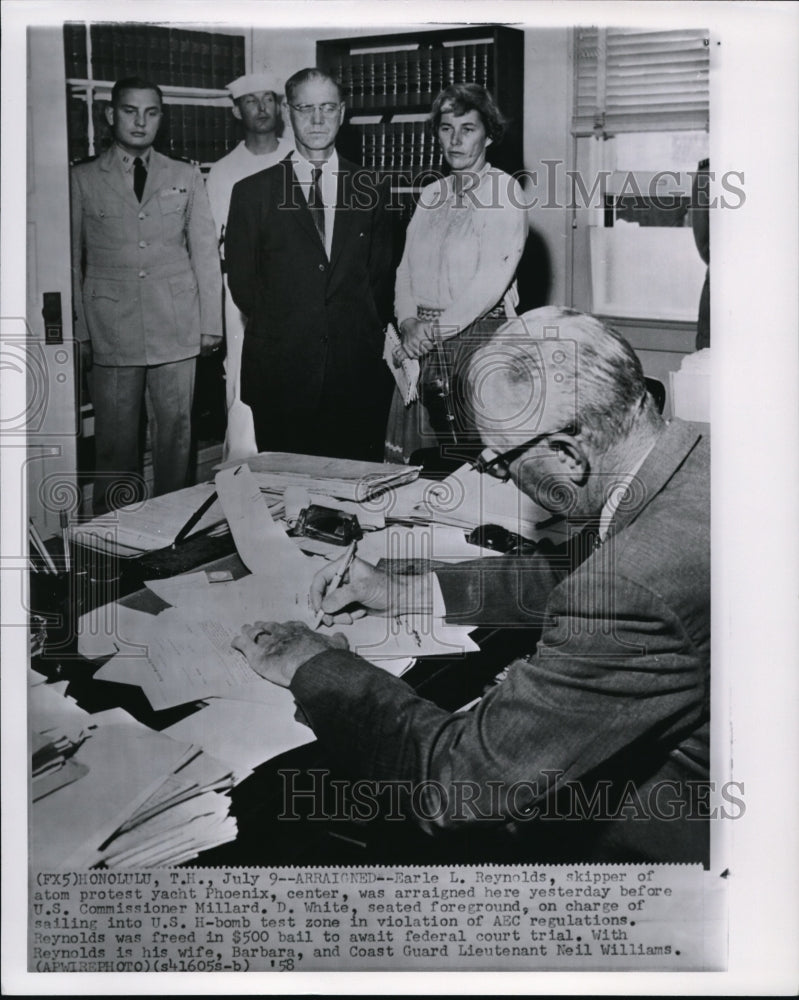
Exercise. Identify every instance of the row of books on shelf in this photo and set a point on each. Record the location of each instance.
(410, 78)
(400, 146)
(168, 56)
(198, 132)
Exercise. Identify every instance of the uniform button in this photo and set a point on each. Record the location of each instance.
(142, 274)
(142, 244)
(321, 267)
(142, 215)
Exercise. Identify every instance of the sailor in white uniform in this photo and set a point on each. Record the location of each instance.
(256, 103)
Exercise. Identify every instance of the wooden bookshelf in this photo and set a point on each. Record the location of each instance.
(390, 81)
(191, 68)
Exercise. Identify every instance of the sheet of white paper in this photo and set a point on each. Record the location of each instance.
(150, 524)
(173, 587)
(244, 734)
(440, 542)
(187, 660)
(468, 498)
(377, 639)
(260, 542)
(114, 628)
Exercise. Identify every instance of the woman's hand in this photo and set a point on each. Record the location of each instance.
(418, 339)
(276, 650)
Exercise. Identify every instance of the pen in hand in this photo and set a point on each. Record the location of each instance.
(336, 581)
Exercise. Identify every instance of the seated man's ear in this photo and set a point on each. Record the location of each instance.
(571, 454)
(236, 112)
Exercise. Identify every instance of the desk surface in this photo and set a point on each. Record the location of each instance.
(257, 802)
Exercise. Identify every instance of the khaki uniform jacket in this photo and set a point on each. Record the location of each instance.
(146, 276)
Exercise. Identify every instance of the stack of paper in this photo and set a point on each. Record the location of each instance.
(150, 524)
(139, 799)
(468, 499)
(337, 477)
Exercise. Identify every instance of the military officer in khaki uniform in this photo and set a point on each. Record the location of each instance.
(147, 293)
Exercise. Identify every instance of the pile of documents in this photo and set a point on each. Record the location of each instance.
(149, 524)
(185, 653)
(467, 499)
(110, 791)
(336, 477)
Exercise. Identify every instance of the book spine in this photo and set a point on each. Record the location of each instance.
(382, 161)
(75, 50)
(205, 73)
(482, 54)
(237, 64)
(356, 69)
(414, 98)
(471, 64)
(401, 77)
(449, 66)
(436, 72)
(380, 75)
(425, 77)
(345, 77)
(368, 85)
(460, 63)
(390, 88)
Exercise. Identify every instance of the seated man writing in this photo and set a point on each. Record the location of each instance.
(595, 746)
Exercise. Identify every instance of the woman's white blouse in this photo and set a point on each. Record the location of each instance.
(462, 249)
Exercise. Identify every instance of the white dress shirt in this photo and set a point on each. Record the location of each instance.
(303, 170)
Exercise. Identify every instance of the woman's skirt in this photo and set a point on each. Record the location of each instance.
(442, 416)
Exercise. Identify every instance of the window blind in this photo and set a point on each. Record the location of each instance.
(639, 80)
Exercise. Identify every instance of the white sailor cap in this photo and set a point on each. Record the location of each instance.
(254, 83)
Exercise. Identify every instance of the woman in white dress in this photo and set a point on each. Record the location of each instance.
(456, 282)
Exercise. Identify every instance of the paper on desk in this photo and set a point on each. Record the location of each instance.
(378, 639)
(439, 542)
(149, 524)
(113, 628)
(187, 660)
(171, 588)
(260, 542)
(245, 733)
(280, 593)
(67, 829)
(339, 477)
(468, 499)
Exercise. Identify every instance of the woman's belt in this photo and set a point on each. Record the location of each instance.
(427, 313)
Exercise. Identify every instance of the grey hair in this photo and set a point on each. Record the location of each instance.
(594, 375)
(305, 76)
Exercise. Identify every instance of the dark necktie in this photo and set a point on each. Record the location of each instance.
(139, 177)
(316, 205)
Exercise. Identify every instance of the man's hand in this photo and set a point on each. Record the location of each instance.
(368, 589)
(209, 345)
(86, 355)
(276, 650)
(418, 339)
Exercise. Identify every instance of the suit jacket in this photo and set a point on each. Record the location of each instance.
(614, 701)
(146, 276)
(314, 326)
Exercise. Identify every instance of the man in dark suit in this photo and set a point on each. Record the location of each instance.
(595, 745)
(308, 254)
(147, 295)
